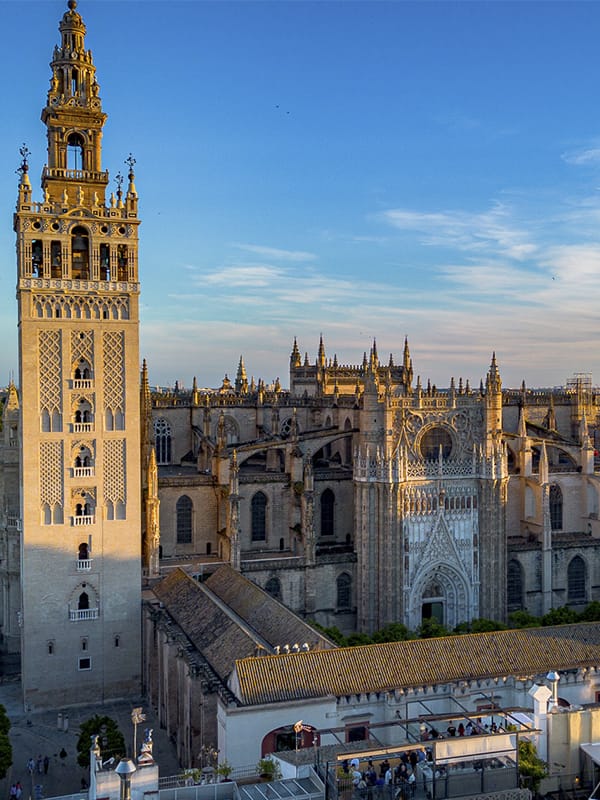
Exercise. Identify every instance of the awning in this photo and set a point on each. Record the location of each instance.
(593, 751)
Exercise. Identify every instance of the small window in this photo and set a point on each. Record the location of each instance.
(357, 733)
(85, 663)
(273, 587)
(258, 515)
(344, 590)
(162, 441)
(184, 510)
(117, 641)
(84, 644)
(51, 648)
(576, 580)
(327, 513)
(556, 507)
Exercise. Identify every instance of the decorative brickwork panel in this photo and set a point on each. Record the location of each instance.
(85, 307)
(82, 347)
(50, 371)
(114, 371)
(51, 473)
(114, 471)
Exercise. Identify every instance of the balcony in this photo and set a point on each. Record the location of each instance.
(84, 564)
(83, 472)
(82, 383)
(75, 174)
(83, 427)
(84, 613)
(83, 519)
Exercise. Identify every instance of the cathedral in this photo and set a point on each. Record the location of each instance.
(358, 497)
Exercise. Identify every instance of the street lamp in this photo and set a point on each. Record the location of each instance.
(136, 718)
(125, 770)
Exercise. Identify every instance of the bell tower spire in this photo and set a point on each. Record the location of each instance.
(74, 118)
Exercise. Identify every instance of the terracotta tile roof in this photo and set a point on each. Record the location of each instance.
(268, 617)
(385, 667)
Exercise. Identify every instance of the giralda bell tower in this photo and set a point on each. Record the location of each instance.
(77, 291)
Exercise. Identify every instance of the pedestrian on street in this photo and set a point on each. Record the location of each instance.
(40, 764)
(19, 793)
(13, 791)
(46, 764)
(31, 766)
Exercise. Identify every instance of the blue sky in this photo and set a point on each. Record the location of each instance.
(356, 169)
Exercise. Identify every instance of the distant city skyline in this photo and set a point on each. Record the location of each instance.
(358, 170)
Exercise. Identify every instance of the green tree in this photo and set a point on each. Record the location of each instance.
(531, 765)
(431, 628)
(591, 613)
(5, 745)
(358, 638)
(523, 619)
(110, 739)
(483, 625)
(560, 616)
(332, 633)
(394, 632)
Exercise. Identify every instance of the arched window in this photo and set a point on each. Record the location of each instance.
(514, 586)
(122, 261)
(273, 587)
(259, 517)
(55, 260)
(84, 601)
(327, 513)
(162, 441)
(184, 520)
(576, 591)
(80, 258)
(75, 151)
(232, 434)
(344, 590)
(556, 507)
(104, 262)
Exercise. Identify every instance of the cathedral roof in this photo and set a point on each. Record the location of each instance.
(416, 663)
(207, 626)
(270, 618)
(229, 617)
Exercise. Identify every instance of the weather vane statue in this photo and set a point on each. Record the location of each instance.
(25, 152)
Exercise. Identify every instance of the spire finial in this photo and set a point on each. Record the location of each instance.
(72, 4)
(131, 162)
(23, 167)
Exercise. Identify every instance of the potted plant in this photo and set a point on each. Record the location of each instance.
(268, 769)
(224, 770)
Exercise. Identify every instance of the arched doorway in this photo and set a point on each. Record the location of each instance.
(432, 602)
(442, 593)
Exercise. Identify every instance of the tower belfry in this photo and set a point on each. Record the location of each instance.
(77, 292)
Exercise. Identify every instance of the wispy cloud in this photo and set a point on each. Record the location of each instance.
(276, 253)
(491, 231)
(507, 278)
(250, 275)
(582, 156)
